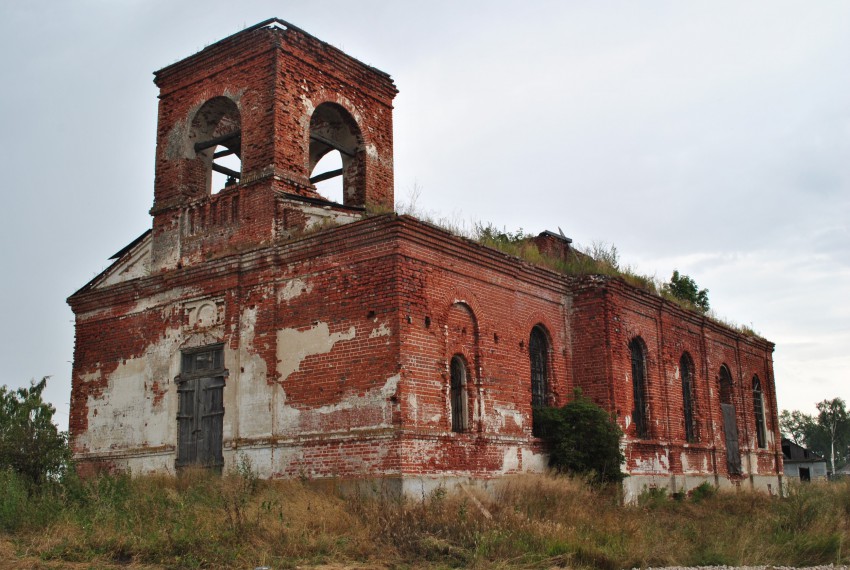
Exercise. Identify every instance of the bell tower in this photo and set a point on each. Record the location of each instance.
(242, 125)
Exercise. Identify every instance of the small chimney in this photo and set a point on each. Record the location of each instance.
(554, 245)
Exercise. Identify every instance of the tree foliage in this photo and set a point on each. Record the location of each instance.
(685, 288)
(582, 439)
(827, 433)
(30, 443)
(833, 420)
(796, 426)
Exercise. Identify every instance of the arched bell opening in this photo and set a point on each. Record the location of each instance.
(337, 156)
(215, 137)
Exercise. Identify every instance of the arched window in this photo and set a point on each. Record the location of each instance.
(459, 399)
(341, 176)
(730, 421)
(758, 413)
(640, 417)
(686, 370)
(216, 139)
(725, 386)
(538, 353)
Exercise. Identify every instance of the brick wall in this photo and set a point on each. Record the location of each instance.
(338, 334)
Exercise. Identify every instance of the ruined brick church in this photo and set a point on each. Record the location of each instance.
(322, 339)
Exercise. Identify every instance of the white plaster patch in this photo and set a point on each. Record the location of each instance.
(135, 264)
(413, 408)
(659, 463)
(504, 413)
(126, 414)
(293, 345)
(308, 105)
(253, 395)
(292, 289)
(510, 460)
(382, 330)
(164, 298)
(534, 462)
(375, 397)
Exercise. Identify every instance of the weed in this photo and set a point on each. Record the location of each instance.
(702, 492)
(202, 520)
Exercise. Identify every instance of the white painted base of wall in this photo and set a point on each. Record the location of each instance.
(634, 485)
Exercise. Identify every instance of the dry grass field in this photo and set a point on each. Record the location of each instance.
(199, 520)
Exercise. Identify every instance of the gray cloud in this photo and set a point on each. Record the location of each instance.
(711, 137)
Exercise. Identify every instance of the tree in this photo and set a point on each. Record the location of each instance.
(832, 418)
(582, 439)
(796, 426)
(684, 288)
(827, 433)
(30, 443)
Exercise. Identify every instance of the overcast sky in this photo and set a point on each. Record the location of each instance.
(712, 137)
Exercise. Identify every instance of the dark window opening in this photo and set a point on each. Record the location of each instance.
(640, 417)
(200, 413)
(805, 474)
(538, 353)
(758, 413)
(459, 398)
(686, 370)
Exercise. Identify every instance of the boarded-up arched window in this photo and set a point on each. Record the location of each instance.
(758, 413)
(459, 399)
(686, 370)
(538, 353)
(640, 417)
(730, 422)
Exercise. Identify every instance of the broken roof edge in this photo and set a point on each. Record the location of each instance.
(273, 23)
(116, 259)
(131, 245)
(550, 233)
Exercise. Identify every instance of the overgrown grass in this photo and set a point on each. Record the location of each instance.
(200, 520)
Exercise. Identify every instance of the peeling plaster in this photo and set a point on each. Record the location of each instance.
(503, 413)
(374, 396)
(127, 413)
(382, 330)
(511, 460)
(660, 463)
(293, 346)
(292, 289)
(135, 265)
(255, 395)
(165, 298)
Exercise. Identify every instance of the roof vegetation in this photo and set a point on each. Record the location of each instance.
(600, 258)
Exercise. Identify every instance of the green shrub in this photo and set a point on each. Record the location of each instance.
(13, 500)
(652, 496)
(582, 439)
(30, 443)
(703, 491)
